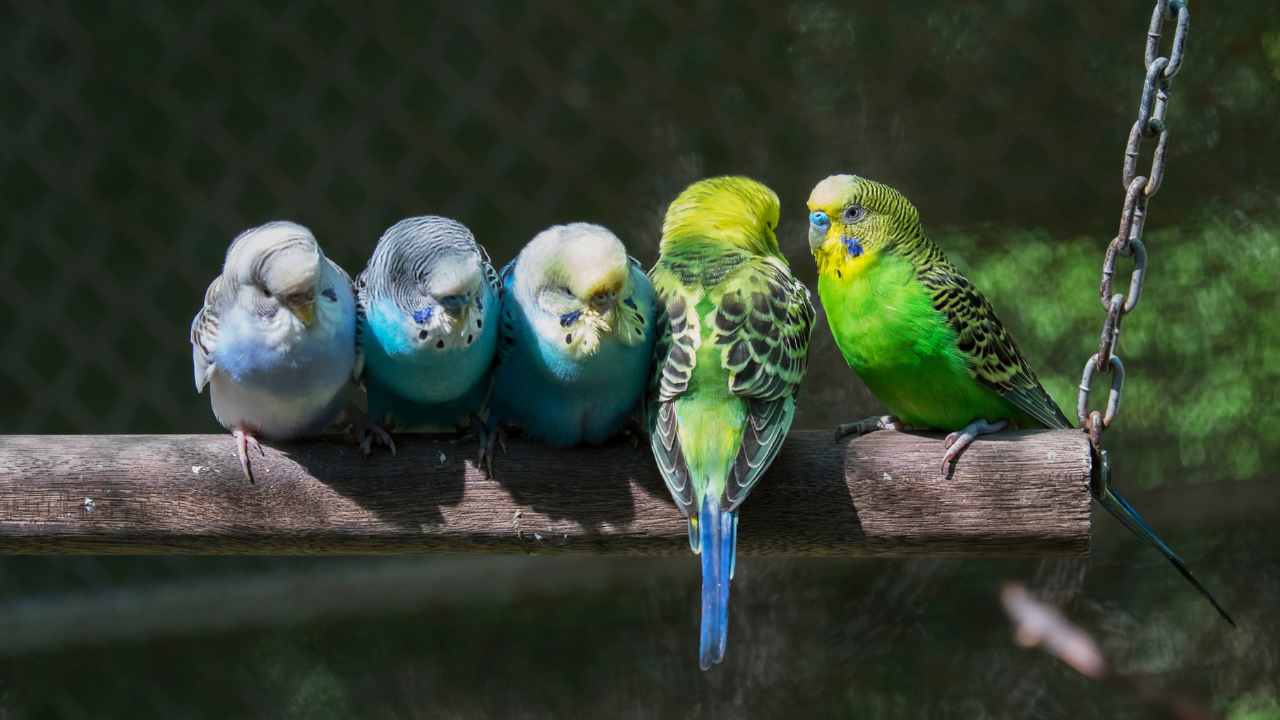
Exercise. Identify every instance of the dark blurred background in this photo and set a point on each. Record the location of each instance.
(139, 139)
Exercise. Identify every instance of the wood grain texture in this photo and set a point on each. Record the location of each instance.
(1020, 493)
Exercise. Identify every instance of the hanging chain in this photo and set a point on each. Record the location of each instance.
(1138, 189)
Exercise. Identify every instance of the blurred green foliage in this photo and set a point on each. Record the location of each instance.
(1202, 349)
(1255, 707)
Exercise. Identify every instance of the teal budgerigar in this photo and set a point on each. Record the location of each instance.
(576, 337)
(427, 308)
(924, 340)
(275, 340)
(729, 365)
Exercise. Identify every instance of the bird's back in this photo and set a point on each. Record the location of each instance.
(728, 368)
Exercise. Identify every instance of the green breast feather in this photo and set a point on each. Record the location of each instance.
(930, 348)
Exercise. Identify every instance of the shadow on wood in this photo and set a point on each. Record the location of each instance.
(1022, 493)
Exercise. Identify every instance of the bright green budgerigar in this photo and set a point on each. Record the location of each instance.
(922, 337)
(729, 364)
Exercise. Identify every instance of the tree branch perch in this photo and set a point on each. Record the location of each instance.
(1014, 494)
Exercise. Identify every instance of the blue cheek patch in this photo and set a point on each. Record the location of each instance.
(423, 315)
(570, 318)
(853, 245)
(331, 294)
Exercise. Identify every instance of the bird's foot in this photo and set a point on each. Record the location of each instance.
(368, 433)
(868, 425)
(245, 442)
(956, 442)
(374, 434)
(491, 438)
(634, 429)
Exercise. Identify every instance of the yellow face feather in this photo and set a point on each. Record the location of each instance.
(853, 221)
(579, 275)
(597, 278)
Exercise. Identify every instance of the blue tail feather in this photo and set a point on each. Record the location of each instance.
(718, 530)
(733, 546)
(1115, 503)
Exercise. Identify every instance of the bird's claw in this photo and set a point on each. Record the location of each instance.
(244, 443)
(958, 441)
(867, 425)
(373, 434)
(634, 428)
(368, 433)
(490, 441)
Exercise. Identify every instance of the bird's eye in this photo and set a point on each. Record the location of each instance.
(854, 213)
(819, 220)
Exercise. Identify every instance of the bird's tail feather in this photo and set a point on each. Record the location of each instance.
(718, 530)
(1115, 503)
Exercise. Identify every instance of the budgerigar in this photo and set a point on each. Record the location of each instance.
(576, 336)
(922, 337)
(275, 340)
(427, 308)
(729, 365)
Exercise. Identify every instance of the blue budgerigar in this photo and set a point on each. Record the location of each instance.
(275, 340)
(428, 325)
(577, 336)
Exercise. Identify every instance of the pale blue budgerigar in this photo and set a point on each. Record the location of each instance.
(427, 309)
(275, 340)
(576, 336)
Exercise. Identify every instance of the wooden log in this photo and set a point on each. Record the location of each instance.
(1018, 493)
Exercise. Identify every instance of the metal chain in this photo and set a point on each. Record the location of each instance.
(1138, 189)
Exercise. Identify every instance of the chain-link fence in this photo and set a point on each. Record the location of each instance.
(138, 139)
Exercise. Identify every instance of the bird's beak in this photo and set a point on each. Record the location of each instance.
(816, 238)
(456, 305)
(602, 302)
(306, 312)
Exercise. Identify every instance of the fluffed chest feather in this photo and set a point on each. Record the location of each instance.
(282, 357)
(905, 351)
(885, 319)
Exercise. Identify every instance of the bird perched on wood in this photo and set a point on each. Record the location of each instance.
(729, 364)
(427, 309)
(576, 336)
(922, 337)
(275, 340)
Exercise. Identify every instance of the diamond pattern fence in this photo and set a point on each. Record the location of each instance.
(137, 139)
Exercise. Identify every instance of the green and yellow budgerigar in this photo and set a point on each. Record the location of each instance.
(922, 337)
(729, 363)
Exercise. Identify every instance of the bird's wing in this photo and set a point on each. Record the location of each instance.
(490, 274)
(360, 289)
(764, 321)
(763, 324)
(675, 353)
(204, 334)
(993, 357)
(506, 323)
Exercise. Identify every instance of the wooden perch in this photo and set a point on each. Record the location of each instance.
(1020, 493)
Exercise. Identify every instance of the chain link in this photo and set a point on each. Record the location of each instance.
(1138, 189)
